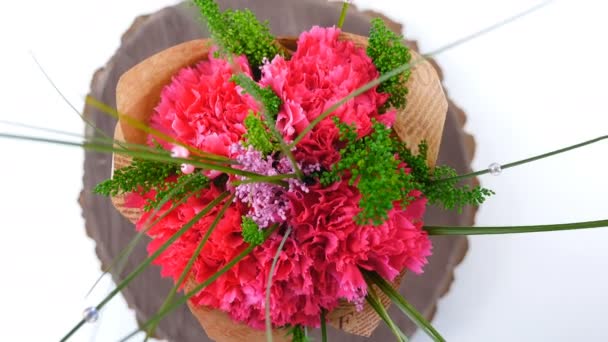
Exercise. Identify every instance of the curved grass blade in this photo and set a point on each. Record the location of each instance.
(141, 267)
(361, 90)
(145, 155)
(182, 300)
(275, 260)
(188, 267)
(374, 302)
(100, 140)
(527, 160)
(146, 128)
(65, 99)
(489, 29)
(410, 65)
(403, 305)
(128, 250)
(444, 230)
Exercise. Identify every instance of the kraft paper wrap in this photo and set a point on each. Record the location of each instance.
(138, 93)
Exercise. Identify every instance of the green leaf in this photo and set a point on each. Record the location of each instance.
(182, 300)
(104, 108)
(375, 303)
(142, 266)
(275, 260)
(323, 326)
(442, 230)
(388, 52)
(191, 261)
(403, 305)
(124, 254)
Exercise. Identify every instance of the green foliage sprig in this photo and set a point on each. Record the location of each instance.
(252, 234)
(264, 95)
(239, 32)
(298, 334)
(141, 176)
(258, 136)
(374, 165)
(145, 175)
(388, 52)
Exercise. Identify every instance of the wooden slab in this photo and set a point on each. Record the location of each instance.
(111, 232)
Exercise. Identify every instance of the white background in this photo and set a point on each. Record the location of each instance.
(533, 86)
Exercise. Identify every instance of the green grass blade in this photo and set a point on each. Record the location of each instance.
(527, 160)
(190, 263)
(65, 99)
(146, 128)
(275, 260)
(154, 156)
(352, 95)
(141, 267)
(323, 326)
(445, 230)
(408, 66)
(182, 300)
(128, 250)
(488, 29)
(403, 305)
(374, 302)
(46, 130)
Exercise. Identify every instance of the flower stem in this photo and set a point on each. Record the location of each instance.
(141, 267)
(269, 285)
(123, 256)
(104, 108)
(182, 300)
(65, 99)
(186, 271)
(409, 310)
(527, 160)
(323, 326)
(445, 230)
(352, 95)
(284, 147)
(139, 154)
(373, 300)
(343, 14)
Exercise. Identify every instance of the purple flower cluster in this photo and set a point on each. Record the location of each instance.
(268, 202)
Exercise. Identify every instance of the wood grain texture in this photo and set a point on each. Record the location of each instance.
(174, 25)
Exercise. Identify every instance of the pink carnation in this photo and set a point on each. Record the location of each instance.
(202, 108)
(324, 70)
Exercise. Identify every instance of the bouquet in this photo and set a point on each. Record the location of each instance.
(322, 189)
(283, 181)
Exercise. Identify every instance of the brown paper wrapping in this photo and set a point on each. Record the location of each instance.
(138, 92)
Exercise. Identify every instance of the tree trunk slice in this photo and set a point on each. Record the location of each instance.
(111, 232)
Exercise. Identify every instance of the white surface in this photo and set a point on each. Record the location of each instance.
(533, 86)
